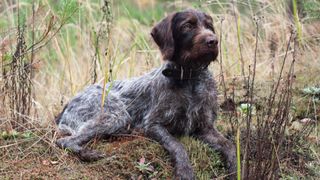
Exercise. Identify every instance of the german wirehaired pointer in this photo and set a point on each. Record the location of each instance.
(179, 98)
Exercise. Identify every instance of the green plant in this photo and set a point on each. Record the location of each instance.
(297, 21)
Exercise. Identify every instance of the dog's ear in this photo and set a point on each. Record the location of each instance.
(162, 35)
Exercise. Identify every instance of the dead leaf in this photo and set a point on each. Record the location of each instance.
(142, 160)
(45, 162)
(54, 162)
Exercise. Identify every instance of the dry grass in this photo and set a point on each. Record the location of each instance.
(63, 62)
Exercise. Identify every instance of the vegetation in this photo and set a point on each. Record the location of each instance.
(267, 71)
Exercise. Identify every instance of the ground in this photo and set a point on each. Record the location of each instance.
(129, 157)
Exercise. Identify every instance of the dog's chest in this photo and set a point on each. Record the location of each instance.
(188, 108)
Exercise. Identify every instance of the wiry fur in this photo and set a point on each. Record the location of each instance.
(179, 98)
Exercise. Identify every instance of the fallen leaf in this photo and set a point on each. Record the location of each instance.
(54, 162)
(45, 162)
(142, 160)
(307, 120)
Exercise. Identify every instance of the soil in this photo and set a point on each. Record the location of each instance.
(37, 157)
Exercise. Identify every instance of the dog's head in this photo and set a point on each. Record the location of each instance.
(187, 38)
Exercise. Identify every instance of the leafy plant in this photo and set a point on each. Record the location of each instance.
(311, 90)
(146, 168)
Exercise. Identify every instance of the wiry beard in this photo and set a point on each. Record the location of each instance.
(194, 60)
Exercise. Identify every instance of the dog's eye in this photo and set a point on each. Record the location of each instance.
(187, 26)
(209, 26)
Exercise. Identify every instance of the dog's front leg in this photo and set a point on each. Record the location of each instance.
(178, 154)
(218, 142)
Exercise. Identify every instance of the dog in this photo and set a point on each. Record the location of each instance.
(178, 98)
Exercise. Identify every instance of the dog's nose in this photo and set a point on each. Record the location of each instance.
(212, 41)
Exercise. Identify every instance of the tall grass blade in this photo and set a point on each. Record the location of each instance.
(238, 155)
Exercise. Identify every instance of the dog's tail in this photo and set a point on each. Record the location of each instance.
(58, 118)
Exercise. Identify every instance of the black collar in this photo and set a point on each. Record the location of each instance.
(178, 72)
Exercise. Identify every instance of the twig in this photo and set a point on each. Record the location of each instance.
(221, 68)
(239, 45)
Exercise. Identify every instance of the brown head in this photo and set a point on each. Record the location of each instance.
(187, 38)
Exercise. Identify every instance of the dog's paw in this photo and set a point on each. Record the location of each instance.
(231, 163)
(232, 170)
(90, 155)
(184, 172)
(61, 143)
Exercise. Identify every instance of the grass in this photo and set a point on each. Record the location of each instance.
(34, 158)
(63, 64)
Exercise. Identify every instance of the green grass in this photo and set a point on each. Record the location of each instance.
(146, 16)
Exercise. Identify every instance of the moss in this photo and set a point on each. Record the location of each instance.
(206, 162)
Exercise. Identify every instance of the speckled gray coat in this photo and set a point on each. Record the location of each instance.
(180, 106)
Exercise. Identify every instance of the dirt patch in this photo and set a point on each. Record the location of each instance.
(127, 158)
